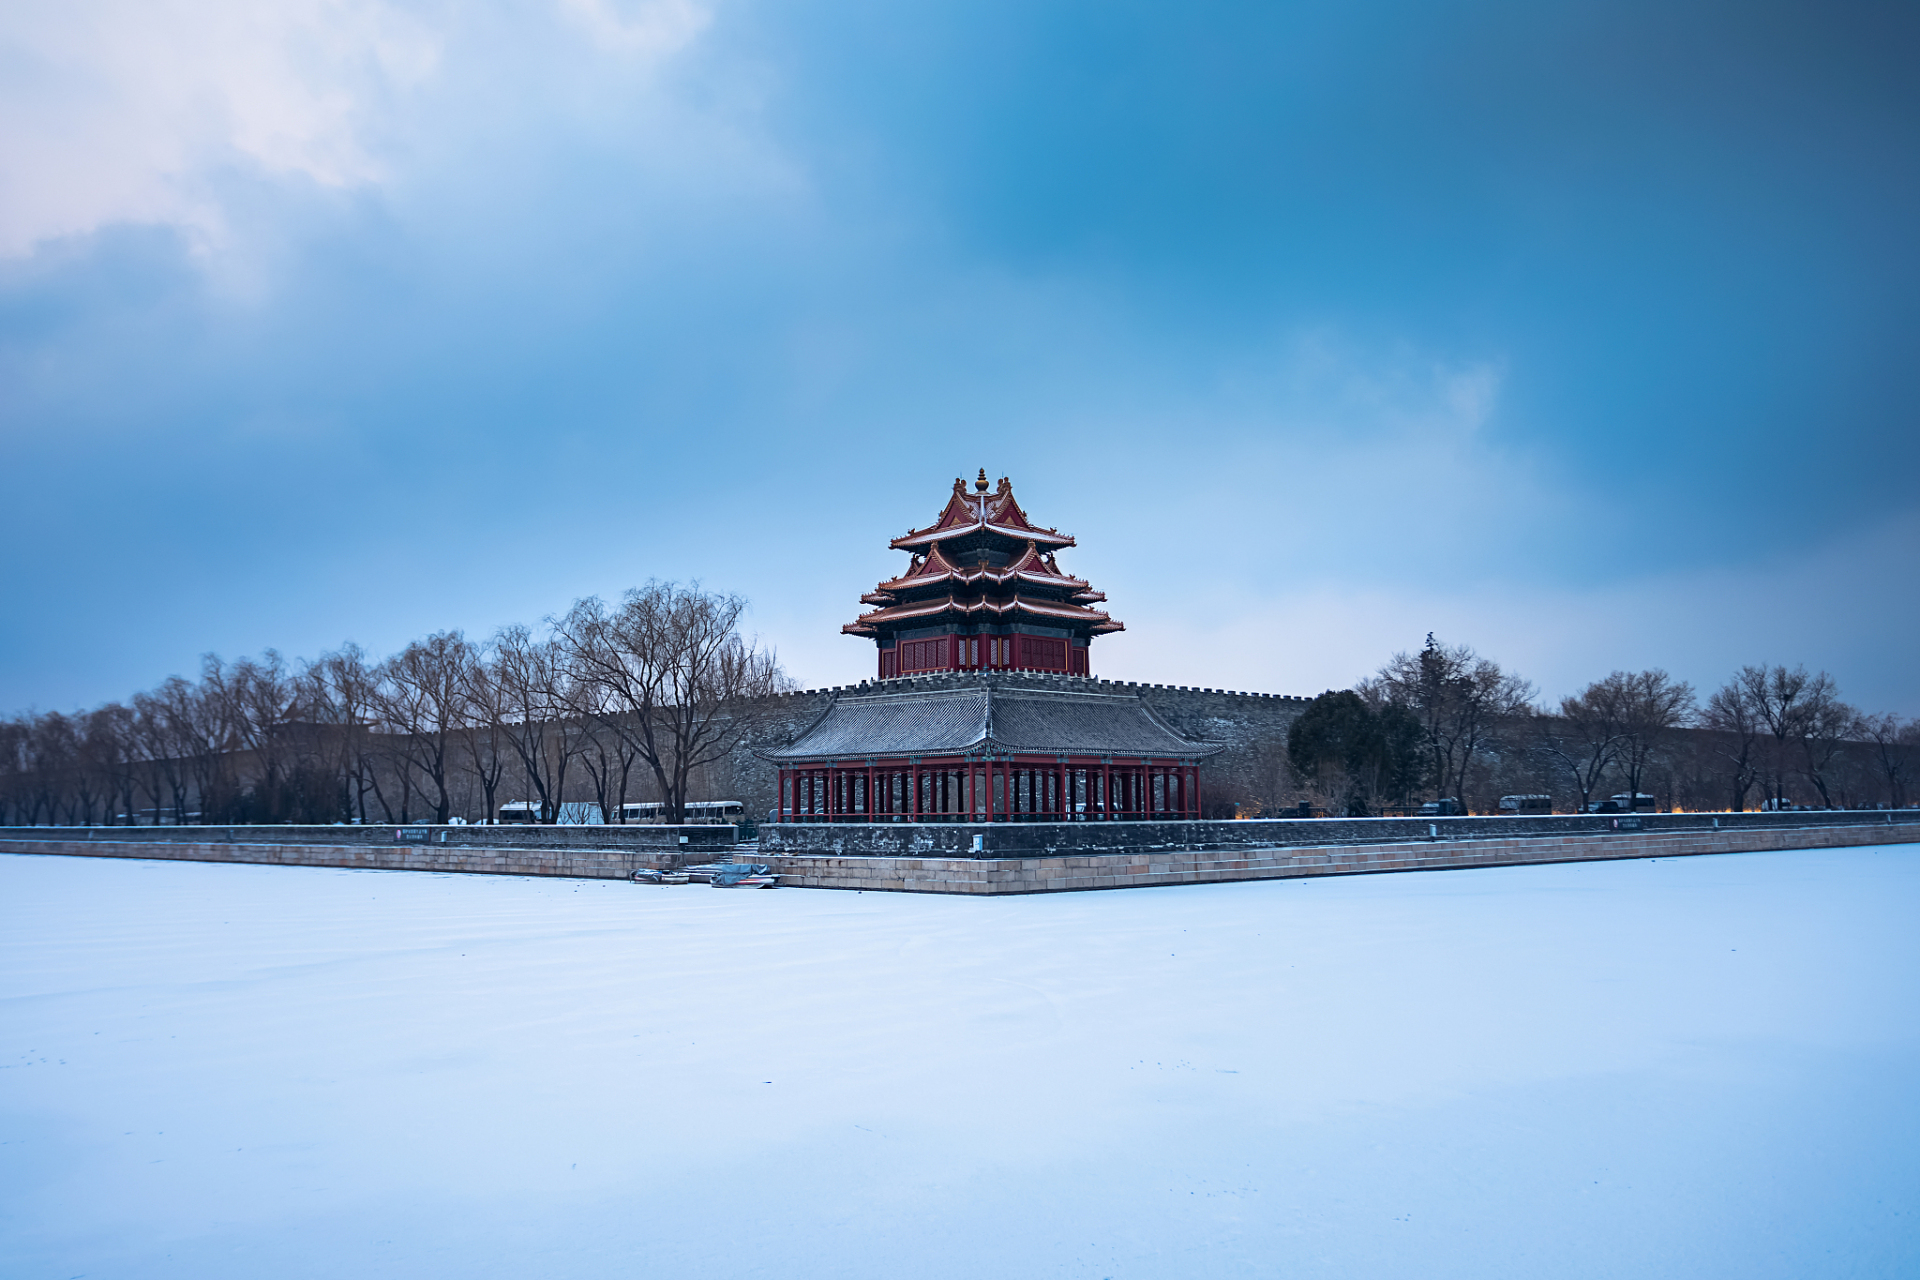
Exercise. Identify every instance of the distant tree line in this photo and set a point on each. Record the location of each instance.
(608, 703)
(1446, 723)
(650, 699)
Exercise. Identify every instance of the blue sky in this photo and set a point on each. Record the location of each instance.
(1586, 334)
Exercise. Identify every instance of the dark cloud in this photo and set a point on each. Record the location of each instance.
(1403, 296)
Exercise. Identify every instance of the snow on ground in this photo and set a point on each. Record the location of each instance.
(1694, 1068)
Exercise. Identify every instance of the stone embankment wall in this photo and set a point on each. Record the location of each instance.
(613, 853)
(586, 864)
(593, 853)
(1251, 726)
(1050, 839)
(1146, 869)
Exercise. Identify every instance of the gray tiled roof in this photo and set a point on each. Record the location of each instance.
(953, 721)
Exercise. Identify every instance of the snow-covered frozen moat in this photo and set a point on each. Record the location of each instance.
(1706, 1067)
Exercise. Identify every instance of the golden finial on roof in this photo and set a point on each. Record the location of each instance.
(981, 483)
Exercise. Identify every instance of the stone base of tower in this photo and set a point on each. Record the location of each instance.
(1463, 848)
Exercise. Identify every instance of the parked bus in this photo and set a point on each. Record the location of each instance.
(701, 812)
(1517, 805)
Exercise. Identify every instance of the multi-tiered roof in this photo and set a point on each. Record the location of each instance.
(983, 568)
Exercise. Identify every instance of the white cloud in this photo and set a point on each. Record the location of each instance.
(129, 111)
(651, 28)
(1834, 606)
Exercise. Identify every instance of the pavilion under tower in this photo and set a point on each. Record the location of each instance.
(983, 593)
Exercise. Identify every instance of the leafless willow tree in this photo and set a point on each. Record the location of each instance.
(422, 697)
(671, 676)
(485, 753)
(529, 687)
(346, 690)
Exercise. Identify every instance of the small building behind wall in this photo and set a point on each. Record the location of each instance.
(989, 748)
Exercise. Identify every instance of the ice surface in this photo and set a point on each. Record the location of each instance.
(1703, 1067)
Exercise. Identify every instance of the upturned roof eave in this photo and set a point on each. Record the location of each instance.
(920, 537)
(929, 609)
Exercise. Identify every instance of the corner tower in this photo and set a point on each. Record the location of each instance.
(983, 593)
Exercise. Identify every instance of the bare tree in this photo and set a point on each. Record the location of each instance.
(1649, 706)
(13, 771)
(673, 675)
(1896, 747)
(52, 747)
(112, 752)
(195, 725)
(1583, 738)
(422, 694)
(1803, 721)
(1826, 727)
(348, 693)
(259, 704)
(1736, 723)
(483, 732)
(1464, 703)
(531, 679)
(161, 770)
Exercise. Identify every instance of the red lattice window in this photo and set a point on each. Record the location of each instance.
(1048, 655)
(923, 655)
